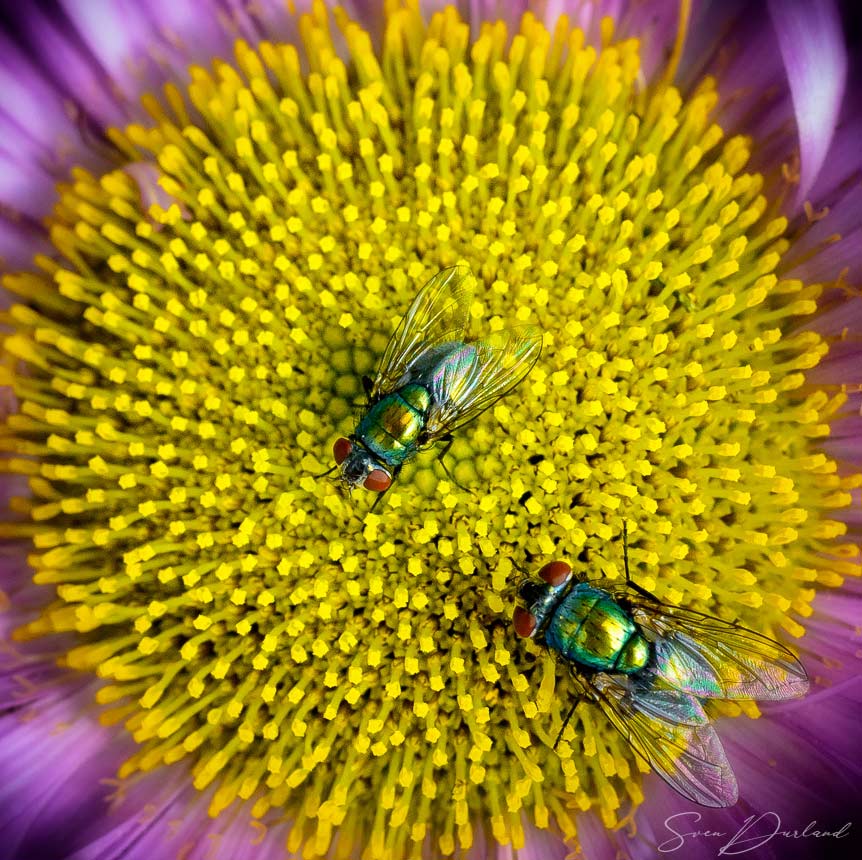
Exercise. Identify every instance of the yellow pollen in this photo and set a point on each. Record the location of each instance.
(189, 366)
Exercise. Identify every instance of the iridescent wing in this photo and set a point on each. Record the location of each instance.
(687, 755)
(440, 313)
(478, 374)
(650, 696)
(712, 658)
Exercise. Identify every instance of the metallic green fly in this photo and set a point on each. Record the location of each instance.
(432, 380)
(650, 666)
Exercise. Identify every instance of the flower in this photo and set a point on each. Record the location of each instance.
(259, 648)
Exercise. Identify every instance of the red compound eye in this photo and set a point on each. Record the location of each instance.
(524, 622)
(341, 450)
(556, 572)
(378, 481)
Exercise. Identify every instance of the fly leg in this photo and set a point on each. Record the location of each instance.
(327, 472)
(367, 387)
(448, 440)
(563, 726)
(578, 700)
(629, 581)
(395, 474)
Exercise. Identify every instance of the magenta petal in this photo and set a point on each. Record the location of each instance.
(815, 58)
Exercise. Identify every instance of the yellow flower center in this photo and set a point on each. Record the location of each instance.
(188, 368)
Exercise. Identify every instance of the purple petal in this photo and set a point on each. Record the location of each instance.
(786, 769)
(655, 25)
(842, 259)
(25, 186)
(161, 816)
(843, 364)
(842, 218)
(19, 243)
(845, 314)
(815, 58)
(734, 41)
(51, 767)
(29, 104)
(75, 73)
(493, 10)
(844, 159)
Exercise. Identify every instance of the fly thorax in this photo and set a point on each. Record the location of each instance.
(391, 426)
(604, 632)
(591, 628)
(543, 601)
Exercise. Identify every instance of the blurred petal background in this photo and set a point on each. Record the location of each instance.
(788, 75)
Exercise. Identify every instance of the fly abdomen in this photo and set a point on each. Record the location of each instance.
(634, 655)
